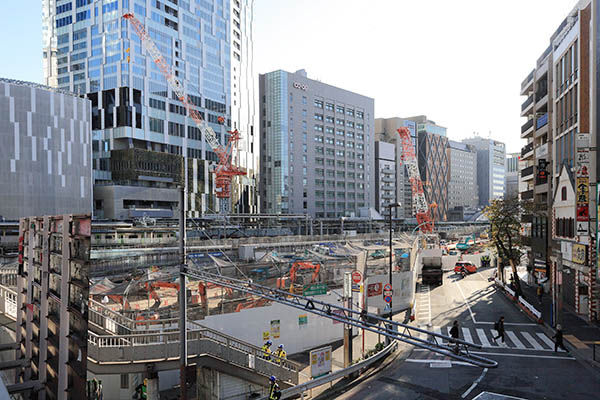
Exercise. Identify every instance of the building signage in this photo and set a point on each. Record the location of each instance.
(582, 141)
(314, 289)
(320, 361)
(579, 253)
(539, 265)
(583, 228)
(583, 191)
(566, 250)
(583, 170)
(374, 289)
(300, 86)
(583, 213)
(582, 157)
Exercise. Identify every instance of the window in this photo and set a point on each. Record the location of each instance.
(319, 117)
(63, 8)
(329, 130)
(329, 106)
(350, 112)
(350, 134)
(159, 105)
(330, 152)
(64, 21)
(330, 162)
(339, 122)
(339, 109)
(350, 124)
(563, 194)
(339, 143)
(329, 140)
(329, 119)
(319, 128)
(303, 99)
(319, 139)
(360, 126)
(157, 125)
(340, 132)
(319, 161)
(124, 381)
(360, 114)
(83, 15)
(339, 153)
(319, 103)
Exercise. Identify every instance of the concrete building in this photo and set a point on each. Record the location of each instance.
(491, 156)
(52, 304)
(511, 179)
(385, 176)
(462, 185)
(317, 147)
(386, 130)
(45, 156)
(141, 133)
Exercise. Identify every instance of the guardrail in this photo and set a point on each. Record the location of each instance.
(161, 346)
(300, 389)
(531, 310)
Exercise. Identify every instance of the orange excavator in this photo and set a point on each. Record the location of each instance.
(151, 288)
(299, 266)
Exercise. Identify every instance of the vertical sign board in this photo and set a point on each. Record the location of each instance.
(582, 185)
(597, 236)
(320, 361)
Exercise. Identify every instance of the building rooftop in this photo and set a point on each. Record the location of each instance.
(37, 86)
(459, 146)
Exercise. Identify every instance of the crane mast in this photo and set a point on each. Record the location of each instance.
(409, 158)
(225, 170)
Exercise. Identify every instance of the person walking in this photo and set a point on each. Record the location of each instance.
(499, 327)
(559, 339)
(267, 350)
(280, 354)
(455, 335)
(540, 292)
(274, 392)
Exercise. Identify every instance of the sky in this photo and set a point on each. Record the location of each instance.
(460, 62)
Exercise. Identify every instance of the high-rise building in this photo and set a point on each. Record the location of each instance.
(142, 136)
(385, 176)
(511, 179)
(46, 152)
(462, 184)
(52, 316)
(386, 130)
(491, 156)
(317, 147)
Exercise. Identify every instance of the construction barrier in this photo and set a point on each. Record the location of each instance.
(521, 302)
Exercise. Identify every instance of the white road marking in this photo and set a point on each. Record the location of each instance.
(438, 361)
(523, 355)
(546, 340)
(532, 341)
(465, 394)
(511, 335)
(510, 323)
(482, 338)
(466, 302)
(467, 335)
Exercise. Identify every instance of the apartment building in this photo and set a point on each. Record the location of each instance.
(317, 147)
(144, 144)
(46, 153)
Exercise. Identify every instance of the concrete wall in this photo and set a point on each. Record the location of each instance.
(112, 197)
(249, 325)
(111, 385)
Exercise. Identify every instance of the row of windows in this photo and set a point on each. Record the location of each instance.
(320, 172)
(63, 8)
(176, 129)
(339, 109)
(64, 21)
(158, 104)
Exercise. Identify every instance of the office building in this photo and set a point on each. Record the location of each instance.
(45, 156)
(144, 144)
(52, 317)
(386, 130)
(385, 177)
(511, 178)
(491, 156)
(462, 184)
(317, 147)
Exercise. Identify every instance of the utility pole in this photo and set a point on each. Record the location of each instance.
(347, 328)
(182, 299)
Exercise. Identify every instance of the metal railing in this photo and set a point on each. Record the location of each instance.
(527, 171)
(526, 149)
(526, 103)
(527, 80)
(526, 126)
(162, 346)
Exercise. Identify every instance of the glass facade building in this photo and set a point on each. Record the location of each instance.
(491, 168)
(317, 147)
(141, 132)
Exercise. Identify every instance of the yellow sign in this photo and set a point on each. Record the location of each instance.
(275, 328)
(583, 190)
(579, 252)
(265, 336)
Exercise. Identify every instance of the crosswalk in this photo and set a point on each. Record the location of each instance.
(424, 305)
(515, 339)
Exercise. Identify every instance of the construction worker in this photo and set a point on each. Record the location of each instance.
(141, 389)
(280, 353)
(267, 350)
(274, 392)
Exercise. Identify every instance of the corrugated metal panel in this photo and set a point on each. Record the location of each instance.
(232, 388)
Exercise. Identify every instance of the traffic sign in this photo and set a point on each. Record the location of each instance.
(387, 290)
(387, 287)
(387, 299)
(356, 277)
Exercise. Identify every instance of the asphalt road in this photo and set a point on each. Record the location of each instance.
(528, 366)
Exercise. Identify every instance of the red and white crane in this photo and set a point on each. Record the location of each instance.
(409, 158)
(225, 170)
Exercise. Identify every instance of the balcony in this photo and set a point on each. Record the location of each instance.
(528, 195)
(526, 84)
(526, 106)
(527, 151)
(526, 129)
(527, 173)
(541, 98)
(541, 121)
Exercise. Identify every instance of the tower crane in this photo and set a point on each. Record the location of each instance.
(225, 170)
(423, 210)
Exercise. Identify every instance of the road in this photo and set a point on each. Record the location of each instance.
(528, 366)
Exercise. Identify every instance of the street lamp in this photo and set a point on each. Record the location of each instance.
(390, 207)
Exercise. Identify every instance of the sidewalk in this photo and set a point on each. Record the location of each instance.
(578, 332)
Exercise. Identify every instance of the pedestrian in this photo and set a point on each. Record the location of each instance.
(559, 339)
(540, 292)
(280, 354)
(267, 350)
(499, 327)
(455, 335)
(274, 392)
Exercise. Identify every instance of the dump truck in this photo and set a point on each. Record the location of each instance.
(431, 271)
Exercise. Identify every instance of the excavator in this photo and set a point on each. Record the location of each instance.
(464, 244)
(293, 274)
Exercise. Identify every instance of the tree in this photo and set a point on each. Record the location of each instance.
(505, 220)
